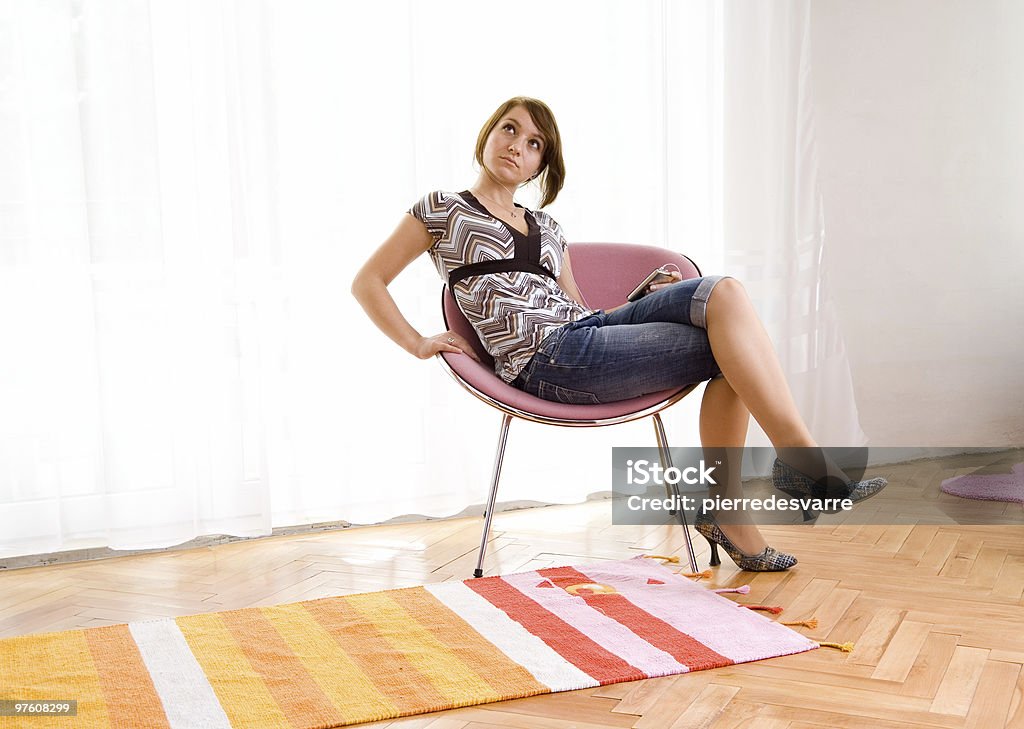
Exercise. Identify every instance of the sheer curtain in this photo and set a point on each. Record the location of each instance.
(139, 305)
(774, 232)
(187, 188)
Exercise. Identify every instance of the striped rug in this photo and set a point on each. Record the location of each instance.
(344, 660)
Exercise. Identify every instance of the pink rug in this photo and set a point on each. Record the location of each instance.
(988, 487)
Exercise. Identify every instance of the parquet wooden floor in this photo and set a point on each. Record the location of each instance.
(936, 612)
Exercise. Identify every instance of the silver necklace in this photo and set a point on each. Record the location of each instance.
(511, 212)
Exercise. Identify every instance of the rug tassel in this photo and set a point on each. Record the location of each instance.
(812, 623)
(743, 590)
(773, 609)
(844, 647)
(705, 575)
(668, 559)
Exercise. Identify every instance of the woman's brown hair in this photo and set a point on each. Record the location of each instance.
(552, 168)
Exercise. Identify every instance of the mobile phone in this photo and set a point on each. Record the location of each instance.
(652, 277)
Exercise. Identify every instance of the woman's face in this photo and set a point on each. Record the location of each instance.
(515, 148)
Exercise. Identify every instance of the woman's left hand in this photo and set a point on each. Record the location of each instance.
(674, 277)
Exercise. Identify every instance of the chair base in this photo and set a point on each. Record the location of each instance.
(666, 461)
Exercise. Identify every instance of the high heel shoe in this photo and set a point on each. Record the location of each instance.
(791, 481)
(769, 560)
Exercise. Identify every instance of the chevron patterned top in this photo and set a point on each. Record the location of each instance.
(511, 312)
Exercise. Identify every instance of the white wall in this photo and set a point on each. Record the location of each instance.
(920, 126)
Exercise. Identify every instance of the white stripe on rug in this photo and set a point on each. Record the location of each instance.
(188, 698)
(511, 638)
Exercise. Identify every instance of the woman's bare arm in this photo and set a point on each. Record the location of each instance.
(370, 288)
(568, 283)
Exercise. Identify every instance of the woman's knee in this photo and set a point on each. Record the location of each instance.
(731, 286)
(727, 291)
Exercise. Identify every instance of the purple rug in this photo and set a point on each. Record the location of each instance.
(988, 487)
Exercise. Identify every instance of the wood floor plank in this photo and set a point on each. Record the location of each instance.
(707, 707)
(831, 611)
(930, 666)
(1010, 580)
(916, 543)
(1015, 713)
(992, 703)
(872, 643)
(682, 691)
(939, 551)
(862, 703)
(810, 599)
(901, 653)
(639, 696)
(960, 681)
(986, 567)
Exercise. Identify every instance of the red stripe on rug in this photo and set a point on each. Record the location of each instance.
(684, 648)
(574, 646)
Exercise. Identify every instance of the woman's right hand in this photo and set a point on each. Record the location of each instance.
(663, 281)
(444, 342)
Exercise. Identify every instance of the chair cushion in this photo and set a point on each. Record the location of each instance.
(482, 378)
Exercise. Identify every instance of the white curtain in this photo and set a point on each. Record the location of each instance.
(140, 296)
(773, 217)
(187, 188)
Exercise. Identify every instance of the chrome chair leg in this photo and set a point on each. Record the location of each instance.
(665, 455)
(493, 495)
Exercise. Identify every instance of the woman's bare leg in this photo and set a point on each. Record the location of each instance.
(747, 358)
(723, 431)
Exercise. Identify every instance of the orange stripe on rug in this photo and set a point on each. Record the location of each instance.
(338, 676)
(684, 648)
(389, 670)
(456, 682)
(284, 675)
(506, 677)
(574, 646)
(50, 667)
(240, 690)
(131, 698)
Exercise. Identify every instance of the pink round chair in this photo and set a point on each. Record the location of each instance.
(605, 274)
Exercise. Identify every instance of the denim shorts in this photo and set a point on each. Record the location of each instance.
(655, 343)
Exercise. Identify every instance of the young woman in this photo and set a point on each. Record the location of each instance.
(509, 270)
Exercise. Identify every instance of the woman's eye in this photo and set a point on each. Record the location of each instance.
(509, 128)
(535, 143)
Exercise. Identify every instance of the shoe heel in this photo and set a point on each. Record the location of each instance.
(769, 560)
(808, 514)
(715, 561)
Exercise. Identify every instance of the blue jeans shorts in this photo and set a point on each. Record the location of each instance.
(652, 344)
